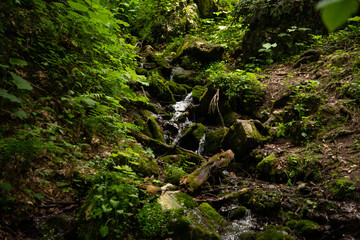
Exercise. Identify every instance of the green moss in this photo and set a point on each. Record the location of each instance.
(154, 129)
(248, 236)
(266, 203)
(342, 188)
(274, 234)
(238, 213)
(159, 89)
(174, 174)
(190, 179)
(213, 140)
(304, 227)
(197, 92)
(212, 216)
(177, 88)
(186, 228)
(230, 118)
(186, 200)
(268, 169)
(186, 160)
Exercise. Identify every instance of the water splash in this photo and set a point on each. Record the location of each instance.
(237, 227)
(201, 145)
(177, 122)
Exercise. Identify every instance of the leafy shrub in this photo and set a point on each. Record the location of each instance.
(342, 188)
(153, 220)
(110, 208)
(239, 87)
(174, 174)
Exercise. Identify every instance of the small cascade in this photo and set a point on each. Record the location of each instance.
(179, 120)
(237, 227)
(201, 145)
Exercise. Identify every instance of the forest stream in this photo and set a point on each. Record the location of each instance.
(179, 120)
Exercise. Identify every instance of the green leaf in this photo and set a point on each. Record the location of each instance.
(89, 101)
(16, 61)
(104, 230)
(335, 13)
(78, 6)
(20, 82)
(21, 114)
(106, 209)
(6, 95)
(114, 203)
(4, 66)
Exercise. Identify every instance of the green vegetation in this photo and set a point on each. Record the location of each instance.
(91, 143)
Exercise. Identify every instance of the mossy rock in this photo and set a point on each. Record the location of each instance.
(274, 234)
(186, 200)
(231, 117)
(141, 71)
(213, 140)
(159, 90)
(269, 169)
(153, 129)
(197, 92)
(242, 137)
(182, 76)
(265, 203)
(191, 139)
(305, 228)
(199, 50)
(185, 228)
(212, 218)
(188, 161)
(206, 8)
(238, 213)
(178, 89)
(342, 188)
(142, 165)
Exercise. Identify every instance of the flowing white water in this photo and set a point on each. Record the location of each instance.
(181, 106)
(237, 227)
(179, 120)
(201, 147)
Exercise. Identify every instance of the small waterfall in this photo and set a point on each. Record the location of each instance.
(180, 124)
(237, 227)
(201, 145)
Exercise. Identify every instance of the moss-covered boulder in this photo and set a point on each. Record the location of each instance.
(238, 213)
(199, 50)
(242, 137)
(305, 228)
(269, 168)
(275, 233)
(154, 129)
(178, 90)
(158, 88)
(341, 188)
(188, 161)
(213, 141)
(201, 222)
(191, 139)
(231, 117)
(213, 218)
(182, 76)
(215, 164)
(156, 60)
(206, 8)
